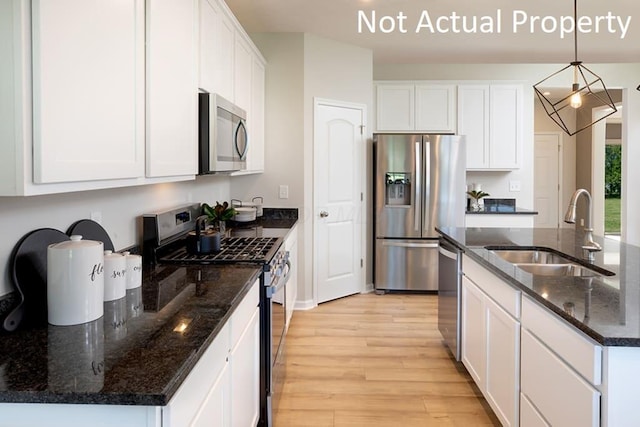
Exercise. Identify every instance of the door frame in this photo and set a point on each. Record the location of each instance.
(560, 212)
(317, 102)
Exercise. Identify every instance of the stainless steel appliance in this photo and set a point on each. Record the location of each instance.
(222, 134)
(419, 183)
(449, 286)
(164, 236)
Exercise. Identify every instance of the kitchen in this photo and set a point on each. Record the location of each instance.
(301, 66)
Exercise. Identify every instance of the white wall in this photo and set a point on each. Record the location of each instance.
(299, 68)
(121, 210)
(622, 76)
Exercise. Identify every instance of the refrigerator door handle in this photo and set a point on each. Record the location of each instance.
(417, 204)
(409, 244)
(428, 216)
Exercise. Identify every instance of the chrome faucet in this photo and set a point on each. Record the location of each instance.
(589, 246)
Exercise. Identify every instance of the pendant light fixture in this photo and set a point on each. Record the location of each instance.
(569, 95)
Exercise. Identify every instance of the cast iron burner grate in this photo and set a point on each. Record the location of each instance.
(232, 249)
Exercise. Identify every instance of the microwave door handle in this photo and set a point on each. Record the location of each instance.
(246, 140)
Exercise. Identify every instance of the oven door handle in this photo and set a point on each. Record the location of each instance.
(280, 282)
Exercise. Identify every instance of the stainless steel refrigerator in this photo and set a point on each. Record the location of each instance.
(419, 183)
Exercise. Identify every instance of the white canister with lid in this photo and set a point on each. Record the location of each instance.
(115, 276)
(75, 281)
(134, 270)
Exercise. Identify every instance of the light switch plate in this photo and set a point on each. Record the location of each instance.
(514, 185)
(283, 192)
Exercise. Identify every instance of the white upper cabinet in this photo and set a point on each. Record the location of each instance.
(416, 107)
(172, 89)
(231, 66)
(243, 66)
(436, 108)
(217, 40)
(88, 90)
(395, 107)
(491, 118)
(255, 158)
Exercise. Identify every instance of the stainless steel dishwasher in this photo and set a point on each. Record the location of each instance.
(449, 284)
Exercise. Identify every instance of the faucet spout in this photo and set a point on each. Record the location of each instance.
(589, 246)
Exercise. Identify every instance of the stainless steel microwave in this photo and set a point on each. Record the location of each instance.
(222, 134)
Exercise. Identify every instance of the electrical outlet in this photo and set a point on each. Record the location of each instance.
(581, 222)
(514, 185)
(283, 192)
(96, 216)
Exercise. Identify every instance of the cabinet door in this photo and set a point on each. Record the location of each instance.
(216, 409)
(291, 245)
(473, 341)
(243, 67)
(395, 107)
(209, 23)
(255, 156)
(503, 363)
(473, 123)
(548, 380)
(506, 119)
(435, 108)
(88, 90)
(245, 376)
(172, 88)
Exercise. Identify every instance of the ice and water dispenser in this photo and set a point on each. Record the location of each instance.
(398, 189)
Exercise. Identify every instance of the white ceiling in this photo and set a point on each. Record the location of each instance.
(338, 20)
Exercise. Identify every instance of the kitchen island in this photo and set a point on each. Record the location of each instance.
(572, 341)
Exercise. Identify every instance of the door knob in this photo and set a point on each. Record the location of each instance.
(324, 214)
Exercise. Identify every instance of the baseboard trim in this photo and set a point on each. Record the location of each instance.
(305, 305)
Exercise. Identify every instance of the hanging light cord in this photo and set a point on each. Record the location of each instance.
(575, 31)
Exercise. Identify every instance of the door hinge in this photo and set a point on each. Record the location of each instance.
(361, 197)
(361, 129)
(361, 263)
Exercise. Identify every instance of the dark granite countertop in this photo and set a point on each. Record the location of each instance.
(502, 211)
(128, 356)
(606, 308)
(131, 355)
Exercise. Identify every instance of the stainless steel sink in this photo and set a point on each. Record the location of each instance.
(558, 270)
(529, 256)
(540, 262)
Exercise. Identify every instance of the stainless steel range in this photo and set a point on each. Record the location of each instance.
(164, 236)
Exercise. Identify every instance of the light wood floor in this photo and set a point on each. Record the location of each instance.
(376, 360)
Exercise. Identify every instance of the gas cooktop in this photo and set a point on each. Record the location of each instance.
(232, 250)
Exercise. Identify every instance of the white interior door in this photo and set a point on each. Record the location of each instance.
(338, 208)
(547, 183)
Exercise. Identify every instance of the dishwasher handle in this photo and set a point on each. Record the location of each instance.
(449, 251)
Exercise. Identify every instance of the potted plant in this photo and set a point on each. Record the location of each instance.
(219, 214)
(476, 196)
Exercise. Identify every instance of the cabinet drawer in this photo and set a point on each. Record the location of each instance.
(529, 416)
(584, 355)
(243, 313)
(500, 291)
(562, 396)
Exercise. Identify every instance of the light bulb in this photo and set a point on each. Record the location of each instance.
(576, 100)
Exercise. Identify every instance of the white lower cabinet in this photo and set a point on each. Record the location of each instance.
(291, 246)
(223, 388)
(529, 416)
(561, 370)
(503, 363)
(491, 339)
(473, 328)
(245, 375)
(562, 396)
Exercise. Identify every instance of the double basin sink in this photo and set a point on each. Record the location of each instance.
(545, 262)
